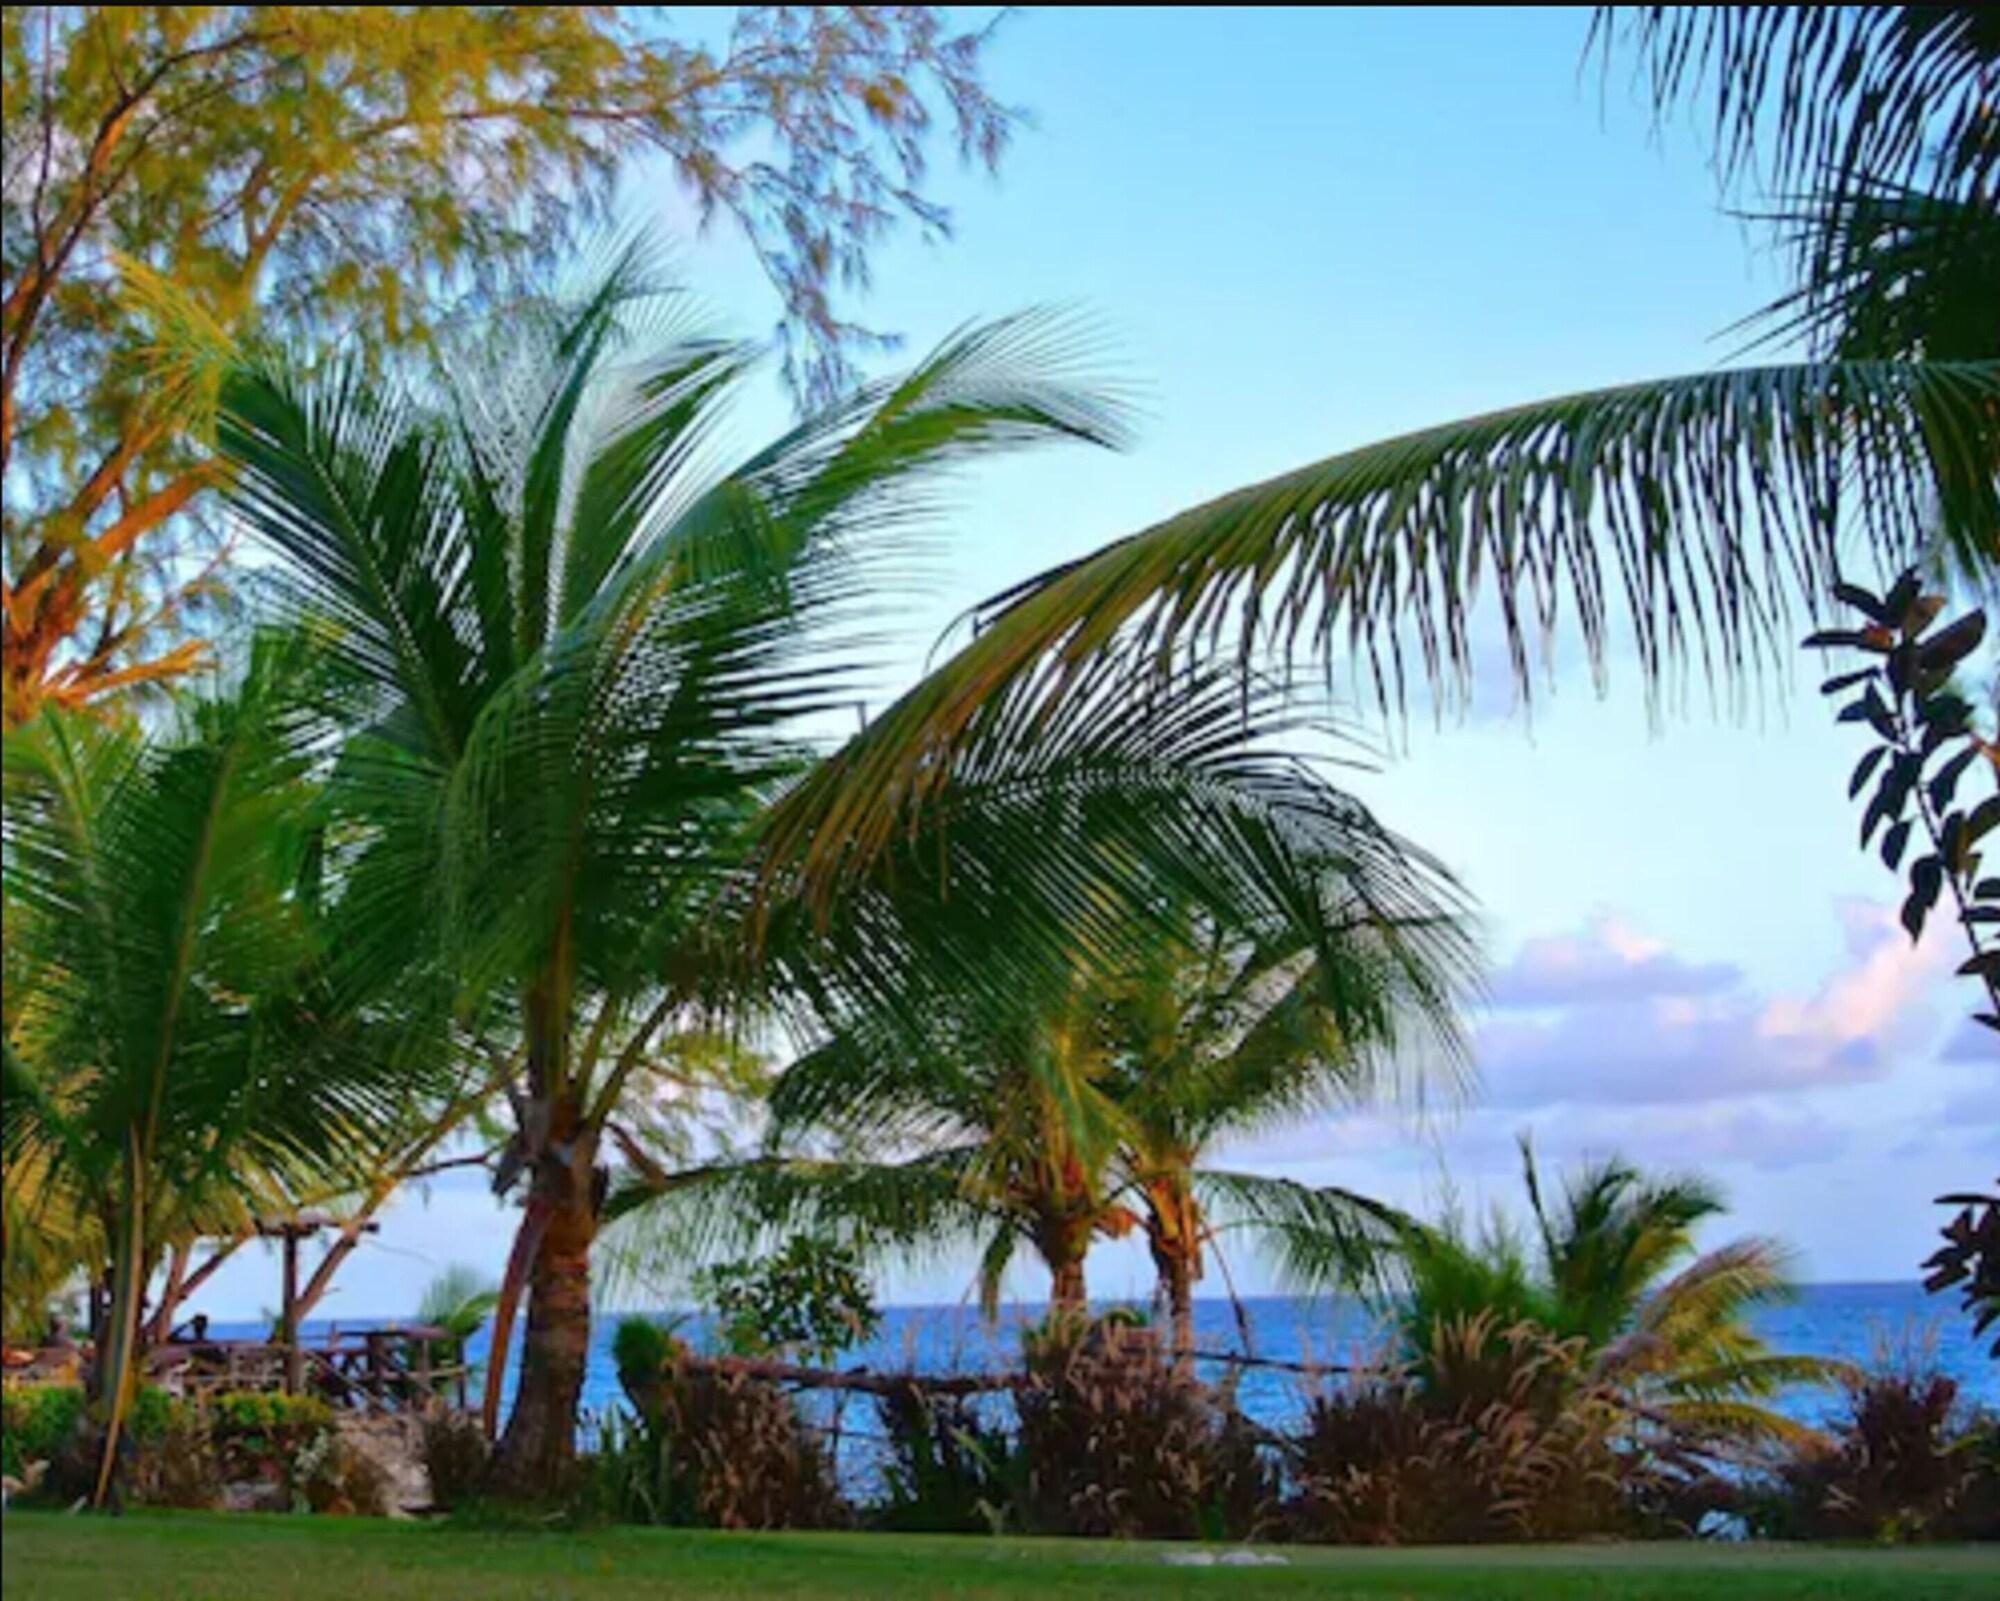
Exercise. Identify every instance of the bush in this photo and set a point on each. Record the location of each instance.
(950, 1470)
(728, 1450)
(179, 1465)
(1120, 1441)
(336, 1478)
(456, 1455)
(808, 1299)
(35, 1420)
(1503, 1440)
(1906, 1461)
(260, 1436)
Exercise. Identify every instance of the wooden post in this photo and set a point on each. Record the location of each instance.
(294, 1361)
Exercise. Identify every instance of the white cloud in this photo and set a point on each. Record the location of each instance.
(1609, 1016)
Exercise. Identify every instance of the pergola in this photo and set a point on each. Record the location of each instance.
(289, 1231)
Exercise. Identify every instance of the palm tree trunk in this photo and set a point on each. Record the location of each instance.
(1174, 1236)
(1068, 1296)
(538, 1449)
(1177, 1275)
(527, 1239)
(117, 1352)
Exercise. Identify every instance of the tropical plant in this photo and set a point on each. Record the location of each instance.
(185, 176)
(808, 1297)
(1706, 509)
(1905, 1458)
(179, 1042)
(1969, 1260)
(1926, 740)
(1219, 1032)
(459, 1301)
(1612, 1263)
(591, 661)
(1035, 1118)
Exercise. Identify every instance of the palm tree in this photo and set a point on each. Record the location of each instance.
(178, 1047)
(590, 660)
(459, 1301)
(1224, 1033)
(1706, 508)
(1612, 1263)
(1034, 1118)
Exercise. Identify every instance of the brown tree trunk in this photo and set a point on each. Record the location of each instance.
(1068, 1296)
(1177, 1278)
(527, 1238)
(538, 1449)
(1174, 1237)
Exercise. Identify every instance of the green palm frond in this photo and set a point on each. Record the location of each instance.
(1322, 1239)
(1828, 94)
(662, 1226)
(1701, 507)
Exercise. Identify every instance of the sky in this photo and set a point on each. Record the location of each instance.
(1299, 232)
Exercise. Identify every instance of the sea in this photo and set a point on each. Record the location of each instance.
(1861, 1323)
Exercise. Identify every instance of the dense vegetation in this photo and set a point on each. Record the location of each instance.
(511, 831)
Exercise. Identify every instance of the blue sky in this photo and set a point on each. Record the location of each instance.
(1302, 231)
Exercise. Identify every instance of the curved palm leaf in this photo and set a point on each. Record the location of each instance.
(1704, 508)
(1829, 94)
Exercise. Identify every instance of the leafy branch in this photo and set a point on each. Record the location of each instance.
(1927, 743)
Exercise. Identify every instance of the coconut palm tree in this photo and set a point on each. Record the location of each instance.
(1218, 1033)
(592, 657)
(1612, 1263)
(1080, 1108)
(178, 1047)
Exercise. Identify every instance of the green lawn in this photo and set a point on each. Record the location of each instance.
(195, 1557)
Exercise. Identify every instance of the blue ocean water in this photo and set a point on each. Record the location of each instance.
(1862, 1323)
(1858, 1322)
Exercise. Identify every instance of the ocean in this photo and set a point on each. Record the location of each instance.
(1858, 1322)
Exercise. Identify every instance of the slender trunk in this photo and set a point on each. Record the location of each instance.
(1174, 1229)
(526, 1238)
(116, 1355)
(1177, 1277)
(170, 1294)
(1068, 1296)
(538, 1449)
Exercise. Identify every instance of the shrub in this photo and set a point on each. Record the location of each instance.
(732, 1452)
(1503, 1439)
(808, 1299)
(456, 1454)
(35, 1420)
(1906, 1461)
(177, 1465)
(335, 1477)
(260, 1435)
(1120, 1441)
(951, 1471)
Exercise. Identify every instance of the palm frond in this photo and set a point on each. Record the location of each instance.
(1707, 509)
(1321, 1239)
(1828, 94)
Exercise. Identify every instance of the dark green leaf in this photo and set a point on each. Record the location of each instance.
(1983, 819)
(1862, 600)
(1864, 770)
(1893, 844)
(1876, 710)
(1944, 782)
(1926, 878)
(1845, 639)
(1953, 644)
(1834, 685)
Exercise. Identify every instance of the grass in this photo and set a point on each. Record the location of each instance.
(209, 1557)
